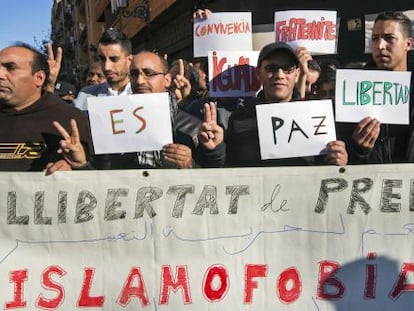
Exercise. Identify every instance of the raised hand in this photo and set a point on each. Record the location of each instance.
(182, 86)
(54, 67)
(211, 134)
(201, 14)
(71, 147)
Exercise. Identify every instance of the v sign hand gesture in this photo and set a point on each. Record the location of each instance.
(211, 134)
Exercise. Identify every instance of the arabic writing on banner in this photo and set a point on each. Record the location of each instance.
(380, 94)
(233, 73)
(130, 123)
(230, 31)
(306, 238)
(313, 29)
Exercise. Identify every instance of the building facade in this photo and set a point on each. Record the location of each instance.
(166, 25)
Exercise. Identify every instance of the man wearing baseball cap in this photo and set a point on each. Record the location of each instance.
(278, 71)
(65, 91)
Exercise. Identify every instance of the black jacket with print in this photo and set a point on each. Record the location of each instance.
(28, 139)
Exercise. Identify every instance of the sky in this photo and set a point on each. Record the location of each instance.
(24, 20)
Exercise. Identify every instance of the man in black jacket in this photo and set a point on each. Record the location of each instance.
(29, 137)
(277, 69)
(149, 74)
(374, 143)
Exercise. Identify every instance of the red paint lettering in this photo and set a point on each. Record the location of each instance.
(48, 283)
(143, 121)
(401, 284)
(327, 269)
(215, 293)
(18, 277)
(252, 271)
(85, 300)
(167, 282)
(371, 277)
(289, 285)
(114, 122)
(138, 291)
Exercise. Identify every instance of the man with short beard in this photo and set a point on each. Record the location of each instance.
(372, 142)
(115, 56)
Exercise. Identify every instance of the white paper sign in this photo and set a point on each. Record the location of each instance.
(130, 123)
(295, 129)
(384, 95)
(233, 73)
(223, 31)
(313, 29)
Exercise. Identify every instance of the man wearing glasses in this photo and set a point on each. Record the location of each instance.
(149, 74)
(278, 71)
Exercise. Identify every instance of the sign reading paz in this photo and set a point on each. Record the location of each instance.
(295, 129)
(130, 123)
(233, 73)
(384, 95)
(313, 29)
(223, 31)
(296, 238)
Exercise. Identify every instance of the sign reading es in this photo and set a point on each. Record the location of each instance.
(130, 123)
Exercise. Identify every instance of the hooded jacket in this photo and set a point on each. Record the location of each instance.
(28, 139)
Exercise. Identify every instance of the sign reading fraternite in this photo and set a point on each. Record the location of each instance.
(313, 29)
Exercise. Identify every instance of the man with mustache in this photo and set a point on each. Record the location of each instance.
(375, 143)
(33, 121)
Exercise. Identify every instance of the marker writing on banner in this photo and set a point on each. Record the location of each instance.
(114, 122)
(240, 76)
(375, 93)
(301, 29)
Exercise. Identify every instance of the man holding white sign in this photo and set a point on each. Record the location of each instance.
(390, 42)
(277, 70)
(149, 75)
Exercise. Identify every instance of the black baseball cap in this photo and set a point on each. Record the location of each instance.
(63, 88)
(272, 48)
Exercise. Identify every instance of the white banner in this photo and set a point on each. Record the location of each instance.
(313, 29)
(222, 31)
(384, 95)
(295, 129)
(130, 123)
(297, 238)
(233, 73)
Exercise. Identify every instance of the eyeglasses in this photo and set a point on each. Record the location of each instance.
(273, 68)
(146, 73)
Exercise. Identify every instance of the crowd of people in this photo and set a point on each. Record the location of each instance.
(45, 131)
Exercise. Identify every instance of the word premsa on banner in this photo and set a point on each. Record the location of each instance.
(214, 286)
